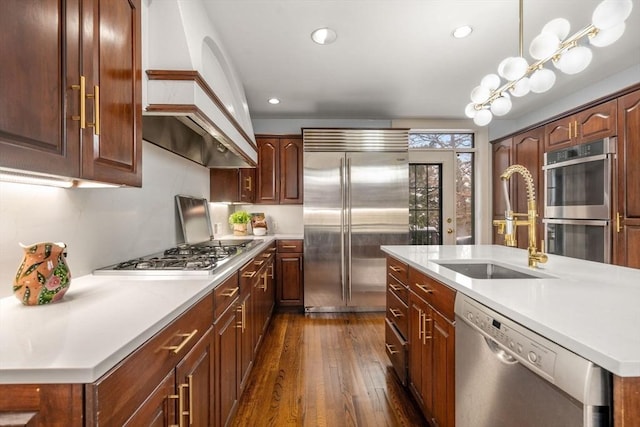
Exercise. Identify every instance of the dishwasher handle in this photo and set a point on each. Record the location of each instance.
(503, 355)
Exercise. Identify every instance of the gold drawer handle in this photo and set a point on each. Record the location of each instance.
(266, 255)
(288, 246)
(259, 262)
(248, 183)
(231, 292)
(248, 274)
(96, 110)
(424, 288)
(396, 312)
(396, 269)
(395, 287)
(272, 249)
(391, 350)
(186, 338)
(83, 111)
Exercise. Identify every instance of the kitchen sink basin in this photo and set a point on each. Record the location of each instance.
(488, 270)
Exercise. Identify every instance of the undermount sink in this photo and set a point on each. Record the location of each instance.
(488, 270)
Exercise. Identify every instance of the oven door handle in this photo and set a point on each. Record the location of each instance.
(576, 161)
(595, 222)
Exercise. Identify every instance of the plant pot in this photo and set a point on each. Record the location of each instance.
(239, 229)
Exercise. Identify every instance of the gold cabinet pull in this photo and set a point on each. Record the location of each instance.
(419, 324)
(395, 287)
(176, 397)
(575, 129)
(424, 288)
(395, 312)
(288, 246)
(83, 111)
(391, 349)
(247, 180)
(190, 384)
(231, 292)
(424, 328)
(181, 411)
(96, 110)
(618, 226)
(186, 338)
(248, 274)
(570, 126)
(396, 269)
(259, 262)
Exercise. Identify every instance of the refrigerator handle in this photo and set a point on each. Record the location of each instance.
(342, 221)
(349, 276)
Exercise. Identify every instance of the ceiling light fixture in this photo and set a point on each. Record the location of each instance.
(462, 32)
(273, 101)
(324, 35)
(552, 44)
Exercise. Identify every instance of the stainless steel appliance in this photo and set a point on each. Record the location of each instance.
(579, 238)
(200, 254)
(204, 258)
(577, 206)
(507, 375)
(356, 198)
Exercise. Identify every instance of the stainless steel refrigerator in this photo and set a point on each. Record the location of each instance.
(356, 198)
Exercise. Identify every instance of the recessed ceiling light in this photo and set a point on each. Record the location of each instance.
(324, 36)
(274, 101)
(462, 32)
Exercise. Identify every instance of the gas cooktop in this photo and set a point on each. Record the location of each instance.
(192, 259)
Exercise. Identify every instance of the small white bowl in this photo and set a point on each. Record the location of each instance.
(259, 231)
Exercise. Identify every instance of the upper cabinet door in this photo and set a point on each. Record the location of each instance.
(40, 102)
(291, 171)
(268, 170)
(597, 122)
(112, 142)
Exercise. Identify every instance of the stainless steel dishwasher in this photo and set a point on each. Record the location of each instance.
(507, 375)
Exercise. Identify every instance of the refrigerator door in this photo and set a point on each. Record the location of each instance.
(377, 214)
(324, 268)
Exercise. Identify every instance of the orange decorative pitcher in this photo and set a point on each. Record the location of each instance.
(43, 276)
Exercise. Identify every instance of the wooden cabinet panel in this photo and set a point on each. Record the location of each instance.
(587, 125)
(443, 334)
(113, 153)
(232, 185)
(290, 274)
(528, 152)
(627, 238)
(501, 159)
(157, 410)
(226, 355)
(37, 131)
(280, 170)
(397, 313)
(41, 405)
(194, 375)
(398, 269)
(291, 152)
(436, 294)
(40, 128)
(396, 348)
(419, 349)
(247, 185)
(268, 170)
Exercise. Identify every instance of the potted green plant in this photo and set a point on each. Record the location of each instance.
(239, 221)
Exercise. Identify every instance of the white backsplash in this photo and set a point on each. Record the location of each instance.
(281, 219)
(100, 226)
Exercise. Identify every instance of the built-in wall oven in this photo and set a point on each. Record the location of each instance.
(577, 200)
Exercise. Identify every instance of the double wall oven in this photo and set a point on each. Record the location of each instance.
(577, 208)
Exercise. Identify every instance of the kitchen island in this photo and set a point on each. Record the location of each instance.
(589, 308)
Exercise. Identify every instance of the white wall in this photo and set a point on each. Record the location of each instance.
(100, 226)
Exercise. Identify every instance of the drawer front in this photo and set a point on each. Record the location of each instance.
(285, 246)
(398, 313)
(115, 396)
(398, 269)
(224, 294)
(440, 296)
(396, 349)
(400, 289)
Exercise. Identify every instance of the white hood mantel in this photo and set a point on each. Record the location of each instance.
(189, 77)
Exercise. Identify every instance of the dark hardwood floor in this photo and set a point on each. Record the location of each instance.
(325, 370)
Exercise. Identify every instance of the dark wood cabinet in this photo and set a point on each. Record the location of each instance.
(525, 149)
(432, 348)
(41, 405)
(279, 170)
(82, 117)
(397, 316)
(290, 275)
(232, 185)
(587, 125)
(627, 191)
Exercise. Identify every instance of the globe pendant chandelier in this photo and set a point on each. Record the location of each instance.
(569, 54)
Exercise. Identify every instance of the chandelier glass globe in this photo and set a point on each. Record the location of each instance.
(574, 60)
(542, 80)
(483, 117)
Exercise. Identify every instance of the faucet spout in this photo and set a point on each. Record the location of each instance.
(509, 225)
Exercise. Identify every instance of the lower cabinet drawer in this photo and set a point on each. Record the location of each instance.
(396, 348)
(398, 313)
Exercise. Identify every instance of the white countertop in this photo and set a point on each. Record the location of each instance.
(100, 320)
(589, 308)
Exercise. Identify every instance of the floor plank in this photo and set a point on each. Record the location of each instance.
(325, 370)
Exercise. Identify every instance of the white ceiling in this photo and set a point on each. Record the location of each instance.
(395, 58)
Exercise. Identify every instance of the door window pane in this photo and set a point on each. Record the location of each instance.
(464, 199)
(425, 204)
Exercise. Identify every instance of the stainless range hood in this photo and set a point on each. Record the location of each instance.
(193, 100)
(183, 136)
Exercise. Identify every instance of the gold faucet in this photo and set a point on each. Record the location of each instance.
(509, 224)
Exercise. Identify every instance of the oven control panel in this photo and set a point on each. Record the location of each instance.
(520, 343)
